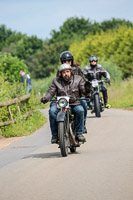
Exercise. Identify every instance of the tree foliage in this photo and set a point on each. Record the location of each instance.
(116, 45)
(42, 57)
(10, 66)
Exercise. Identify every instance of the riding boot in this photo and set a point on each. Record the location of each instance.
(54, 139)
(81, 138)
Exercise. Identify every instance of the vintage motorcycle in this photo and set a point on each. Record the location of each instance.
(66, 126)
(95, 101)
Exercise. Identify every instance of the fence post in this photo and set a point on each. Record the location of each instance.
(18, 108)
(9, 110)
(15, 101)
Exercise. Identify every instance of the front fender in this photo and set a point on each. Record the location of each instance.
(95, 92)
(61, 116)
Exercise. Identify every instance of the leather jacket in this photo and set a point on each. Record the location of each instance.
(75, 87)
(95, 72)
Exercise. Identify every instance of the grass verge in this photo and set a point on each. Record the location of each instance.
(121, 94)
(24, 127)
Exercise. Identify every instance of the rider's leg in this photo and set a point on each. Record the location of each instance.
(78, 112)
(105, 96)
(53, 124)
(84, 104)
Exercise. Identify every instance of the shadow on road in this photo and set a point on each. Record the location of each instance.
(91, 117)
(45, 155)
(48, 155)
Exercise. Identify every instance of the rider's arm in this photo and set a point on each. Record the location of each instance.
(82, 86)
(85, 72)
(105, 73)
(51, 91)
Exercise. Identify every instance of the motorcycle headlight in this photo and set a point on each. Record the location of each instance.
(62, 102)
(95, 83)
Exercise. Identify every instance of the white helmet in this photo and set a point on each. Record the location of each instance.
(64, 67)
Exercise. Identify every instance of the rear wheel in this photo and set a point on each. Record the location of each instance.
(97, 105)
(63, 139)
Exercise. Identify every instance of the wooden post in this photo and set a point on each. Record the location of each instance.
(18, 108)
(12, 102)
(9, 110)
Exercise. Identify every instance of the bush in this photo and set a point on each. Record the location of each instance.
(10, 91)
(114, 71)
(10, 66)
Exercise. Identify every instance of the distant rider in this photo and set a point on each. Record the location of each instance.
(96, 71)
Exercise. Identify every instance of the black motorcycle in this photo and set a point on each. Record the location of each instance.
(66, 126)
(95, 101)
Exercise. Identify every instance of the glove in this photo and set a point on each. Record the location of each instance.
(107, 80)
(44, 100)
(72, 99)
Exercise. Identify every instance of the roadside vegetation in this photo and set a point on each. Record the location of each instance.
(111, 40)
(10, 88)
(121, 94)
(24, 127)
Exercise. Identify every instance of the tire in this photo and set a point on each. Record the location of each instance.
(63, 140)
(97, 106)
(101, 105)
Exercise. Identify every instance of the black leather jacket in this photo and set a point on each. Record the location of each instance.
(95, 72)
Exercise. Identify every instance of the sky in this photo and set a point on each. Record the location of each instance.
(40, 17)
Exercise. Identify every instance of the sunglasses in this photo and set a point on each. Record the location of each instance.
(93, 61)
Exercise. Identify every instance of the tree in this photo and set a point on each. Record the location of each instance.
(116, 45)
(10, 66)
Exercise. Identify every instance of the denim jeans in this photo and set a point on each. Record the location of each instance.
(84, 104)
(78, 112)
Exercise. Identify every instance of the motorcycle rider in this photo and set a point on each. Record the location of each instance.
(96, 71)
(66, 84)
(67, 57)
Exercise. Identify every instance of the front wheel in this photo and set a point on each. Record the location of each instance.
(97, 105)
(63, 139)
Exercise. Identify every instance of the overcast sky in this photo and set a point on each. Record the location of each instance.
(40, 17)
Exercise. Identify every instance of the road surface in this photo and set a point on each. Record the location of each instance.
(102, 169)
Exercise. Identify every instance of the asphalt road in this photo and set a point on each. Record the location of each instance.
(102, 169)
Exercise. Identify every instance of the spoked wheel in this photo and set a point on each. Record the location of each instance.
(97, 106)
(63, 138)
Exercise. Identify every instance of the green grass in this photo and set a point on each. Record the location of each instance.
(121, 94)
(24, 127)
